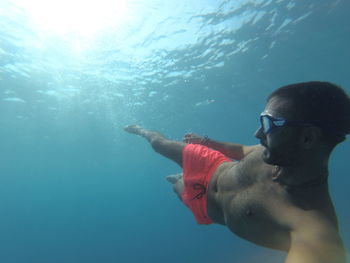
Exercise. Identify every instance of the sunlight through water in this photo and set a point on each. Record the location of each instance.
(82, 18)
(122, 57)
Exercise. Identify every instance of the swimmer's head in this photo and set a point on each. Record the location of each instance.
(322, 104)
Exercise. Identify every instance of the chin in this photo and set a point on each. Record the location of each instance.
(268, 160)
(275, 158)
(266, 156)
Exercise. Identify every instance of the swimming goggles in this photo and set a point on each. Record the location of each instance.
(270, 123)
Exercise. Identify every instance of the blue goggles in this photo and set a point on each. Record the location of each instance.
(269, 123)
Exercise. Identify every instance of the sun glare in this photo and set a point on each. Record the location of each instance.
(83, 18)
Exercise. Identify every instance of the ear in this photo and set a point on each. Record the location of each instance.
(310, 137)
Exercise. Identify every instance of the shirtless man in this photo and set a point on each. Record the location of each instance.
(277, 194)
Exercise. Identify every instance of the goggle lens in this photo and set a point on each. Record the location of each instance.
(268, 123)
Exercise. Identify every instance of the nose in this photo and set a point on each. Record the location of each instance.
(259, 133)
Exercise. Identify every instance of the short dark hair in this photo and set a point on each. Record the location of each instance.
(321, 103)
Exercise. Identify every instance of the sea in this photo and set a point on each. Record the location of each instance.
(75, 187)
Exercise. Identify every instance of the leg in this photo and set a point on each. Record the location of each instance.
(170, 149)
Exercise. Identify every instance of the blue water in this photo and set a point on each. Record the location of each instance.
(74, 187)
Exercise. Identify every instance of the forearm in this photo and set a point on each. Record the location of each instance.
(231, 150)
(234, 151)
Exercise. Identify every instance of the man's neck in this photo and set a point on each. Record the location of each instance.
(301, 176)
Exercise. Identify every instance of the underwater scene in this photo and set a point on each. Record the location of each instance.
(75, 187)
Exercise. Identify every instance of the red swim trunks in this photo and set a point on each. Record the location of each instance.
(199, 164)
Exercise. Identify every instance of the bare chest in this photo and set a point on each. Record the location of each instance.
(252, 205)
(257, 212)
(256, 208)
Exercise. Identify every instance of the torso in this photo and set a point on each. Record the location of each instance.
(244, 197)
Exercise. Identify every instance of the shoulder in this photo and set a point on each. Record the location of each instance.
(316, 239)
(248, 149)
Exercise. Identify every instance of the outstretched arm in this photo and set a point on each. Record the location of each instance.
(231, 150)
(168, 148)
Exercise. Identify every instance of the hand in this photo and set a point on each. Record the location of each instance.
(193, 138)
(135, 129)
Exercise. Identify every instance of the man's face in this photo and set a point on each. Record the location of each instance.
(281, 144)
